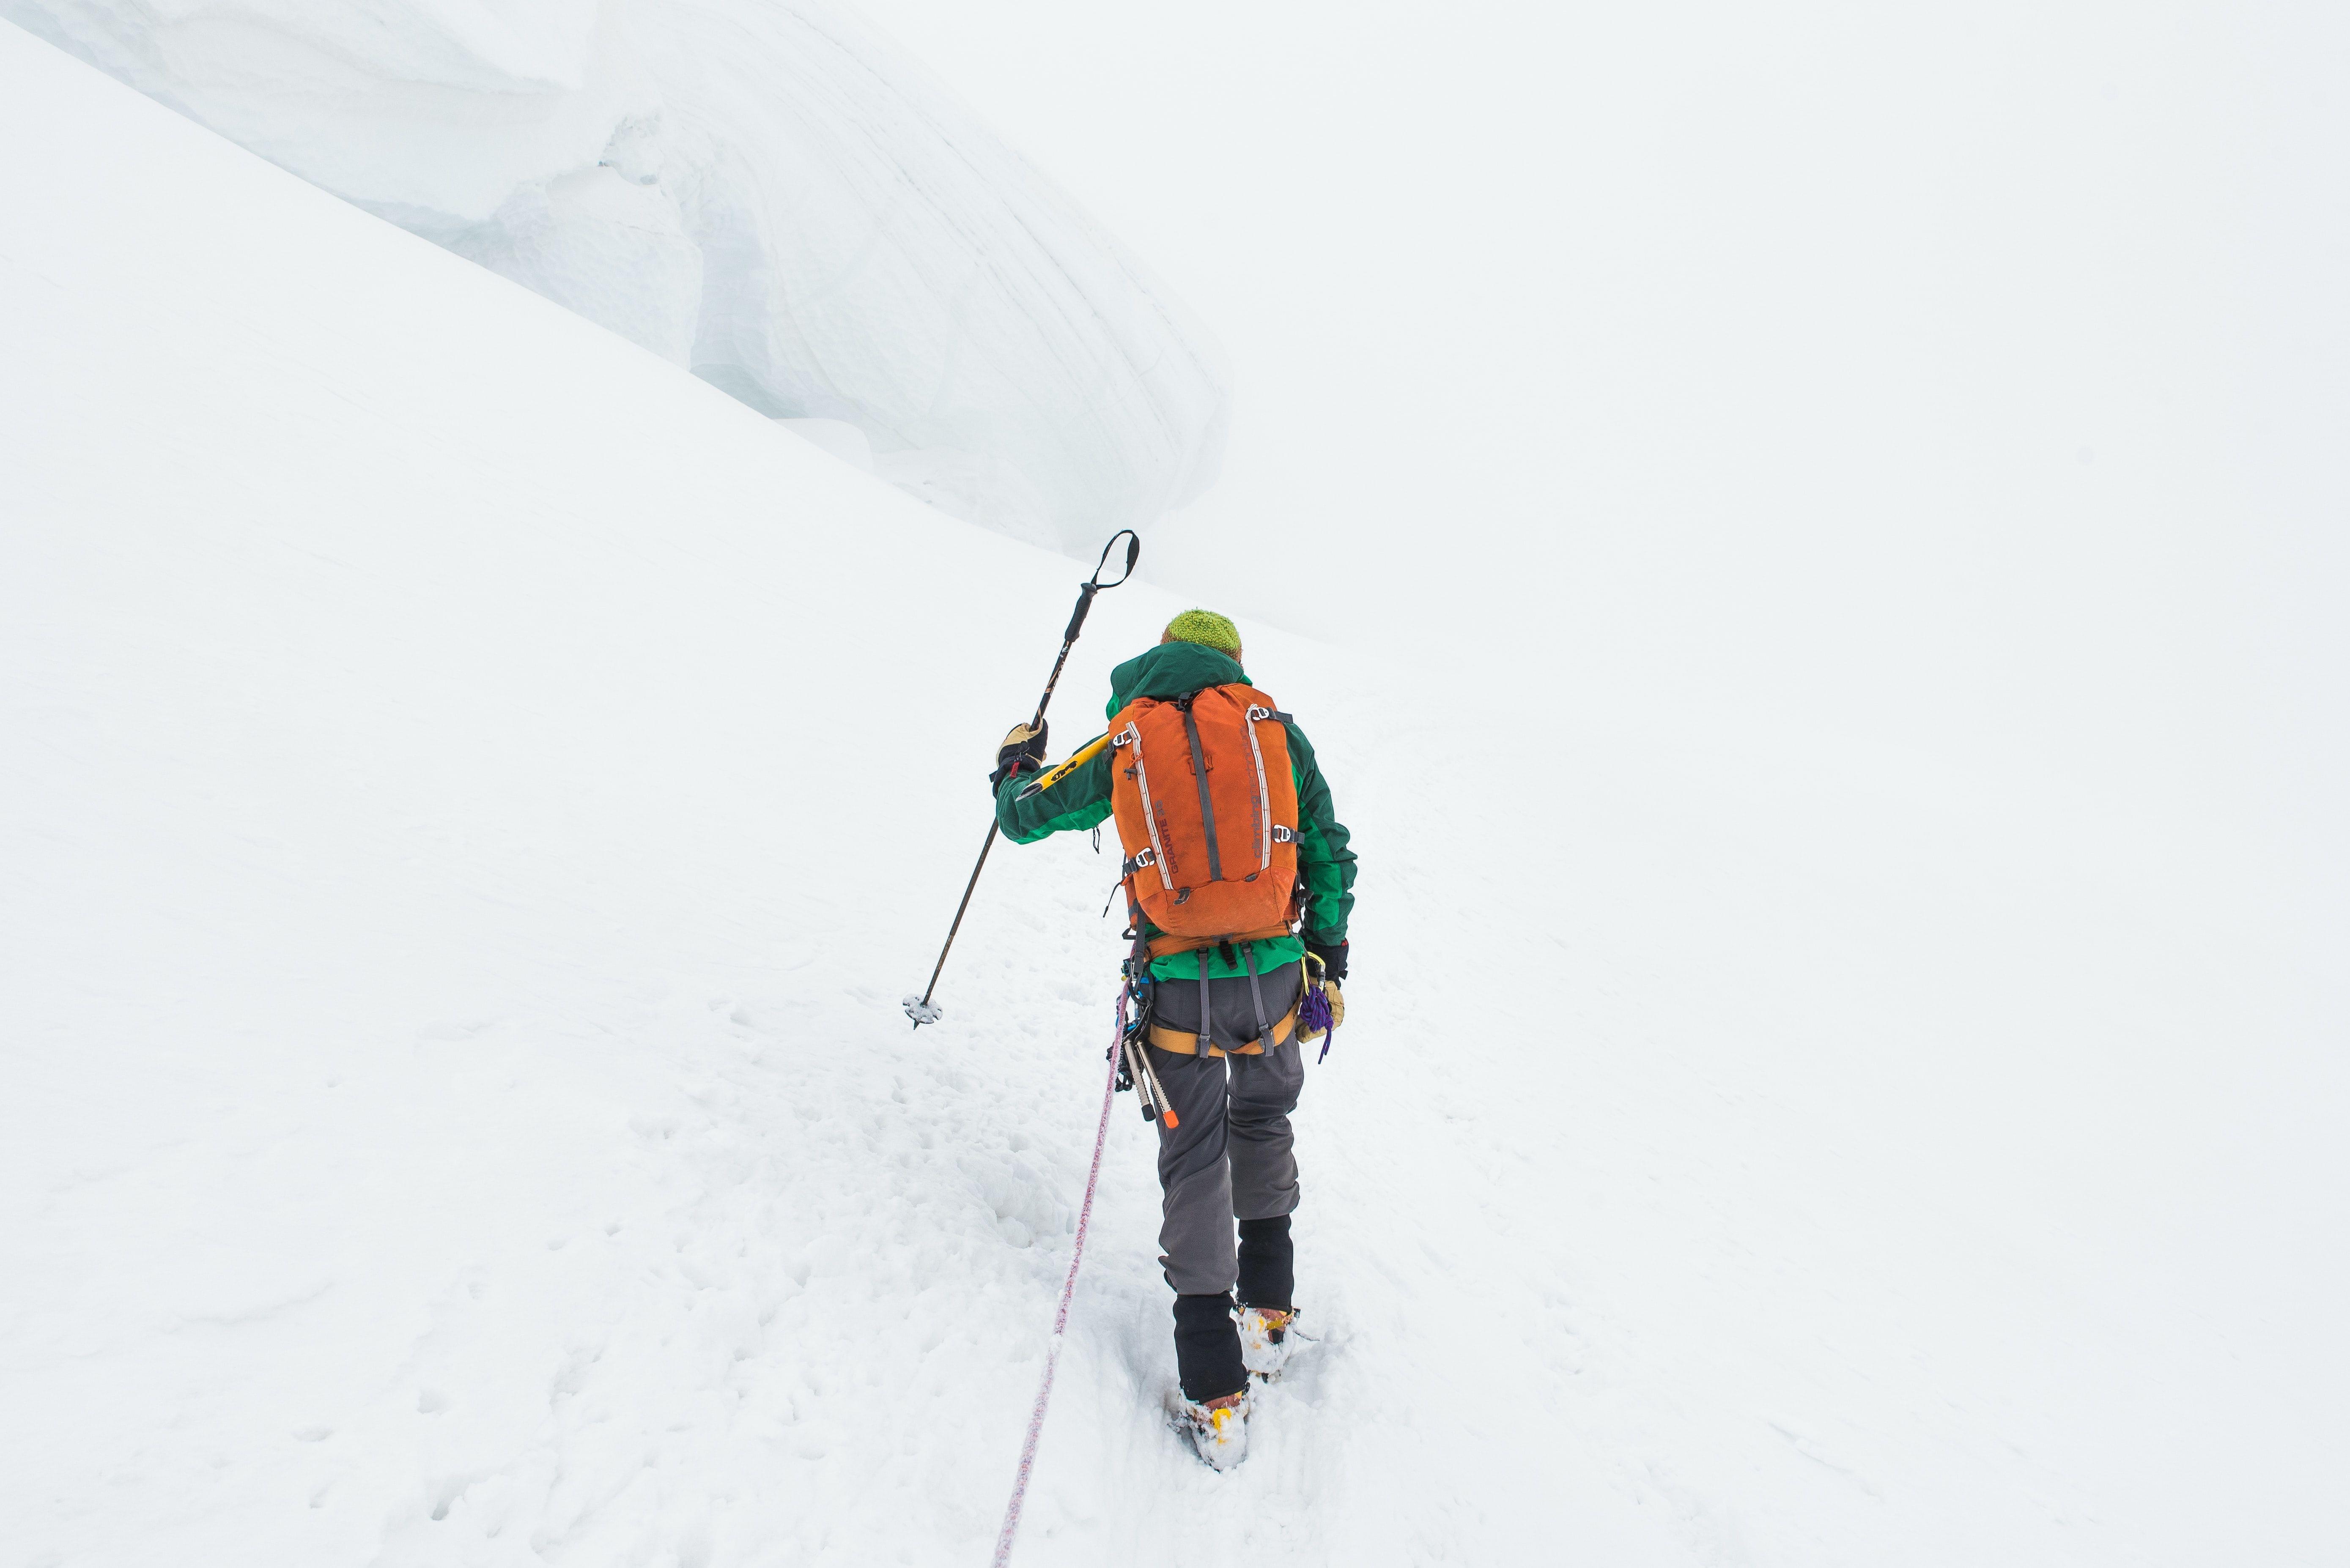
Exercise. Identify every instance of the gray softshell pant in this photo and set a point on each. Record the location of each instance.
(1231, 1156)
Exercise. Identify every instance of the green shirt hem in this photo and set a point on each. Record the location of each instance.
(1271, 954)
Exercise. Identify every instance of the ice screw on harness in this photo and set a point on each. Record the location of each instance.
(919, 1008)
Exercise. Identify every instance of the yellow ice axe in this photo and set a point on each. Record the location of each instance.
(1077, 759)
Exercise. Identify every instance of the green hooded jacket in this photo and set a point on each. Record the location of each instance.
(1082, 801)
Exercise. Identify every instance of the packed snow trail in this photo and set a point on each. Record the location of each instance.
(459, 1110)
(1007, 1537)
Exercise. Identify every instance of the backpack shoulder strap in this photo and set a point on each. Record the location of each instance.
(1261, 704)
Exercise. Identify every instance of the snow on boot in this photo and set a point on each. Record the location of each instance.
(1265, 1339)
(1219, 1429)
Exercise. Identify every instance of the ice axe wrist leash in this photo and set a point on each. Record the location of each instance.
(919, 1008)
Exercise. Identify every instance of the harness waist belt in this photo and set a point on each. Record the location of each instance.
(1186, 1042)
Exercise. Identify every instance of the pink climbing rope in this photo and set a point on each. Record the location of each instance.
(1061, 1318)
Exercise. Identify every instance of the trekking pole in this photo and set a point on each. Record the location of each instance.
(919, 1008)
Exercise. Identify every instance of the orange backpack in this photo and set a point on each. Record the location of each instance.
(1206, 813)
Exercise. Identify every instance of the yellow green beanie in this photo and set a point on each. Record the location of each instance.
(1206, 628)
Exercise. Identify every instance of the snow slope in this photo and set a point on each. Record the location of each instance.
(473, 795)
(770, 194)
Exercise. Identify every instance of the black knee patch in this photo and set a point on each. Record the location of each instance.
(1208, 1348)
(1268, 1263)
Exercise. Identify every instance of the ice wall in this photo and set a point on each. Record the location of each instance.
(763, 191)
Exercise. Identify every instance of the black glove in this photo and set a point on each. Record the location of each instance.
(1333, 956)
(1023, 752)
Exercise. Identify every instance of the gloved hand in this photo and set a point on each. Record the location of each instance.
(1023, 752)
(1323, 964)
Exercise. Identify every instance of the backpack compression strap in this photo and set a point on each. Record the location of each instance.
(1207, 807)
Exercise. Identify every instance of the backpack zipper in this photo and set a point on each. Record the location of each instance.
(1264, 801)
(1133, 737)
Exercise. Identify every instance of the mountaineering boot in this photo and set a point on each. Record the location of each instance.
(1214, 1412)
(1219, 1429)
(1265, 1339)
(1268, 1283)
